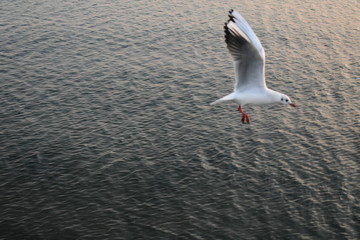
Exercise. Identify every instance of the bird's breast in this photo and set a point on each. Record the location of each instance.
(255, 97)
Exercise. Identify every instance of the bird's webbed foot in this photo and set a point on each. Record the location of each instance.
(244, 117)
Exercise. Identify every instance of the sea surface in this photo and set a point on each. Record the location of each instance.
(107, 133)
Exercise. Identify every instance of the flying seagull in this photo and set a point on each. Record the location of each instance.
(249, 63)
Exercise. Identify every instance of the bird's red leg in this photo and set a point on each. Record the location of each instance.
(247, 118)
(244, 117)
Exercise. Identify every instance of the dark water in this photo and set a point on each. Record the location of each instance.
(107, 132)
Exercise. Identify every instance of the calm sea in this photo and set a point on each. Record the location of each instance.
(107, 132)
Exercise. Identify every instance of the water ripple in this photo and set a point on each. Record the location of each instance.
(107, 132)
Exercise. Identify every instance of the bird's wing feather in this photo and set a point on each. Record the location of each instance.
(247, 52)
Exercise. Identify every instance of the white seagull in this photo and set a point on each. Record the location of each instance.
(249, 63)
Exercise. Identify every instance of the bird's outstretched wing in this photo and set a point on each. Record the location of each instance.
(247, 52)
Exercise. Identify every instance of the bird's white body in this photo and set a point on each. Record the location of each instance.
(249, 65)
(257, 96)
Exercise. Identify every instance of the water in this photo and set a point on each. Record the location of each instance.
(107, 132)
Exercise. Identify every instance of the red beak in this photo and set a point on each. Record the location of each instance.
(292, 104)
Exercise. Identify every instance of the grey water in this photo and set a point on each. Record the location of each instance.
(107, 132)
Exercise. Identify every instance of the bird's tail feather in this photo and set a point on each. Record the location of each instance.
(223, 99)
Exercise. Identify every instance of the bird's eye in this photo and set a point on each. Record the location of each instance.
(287, 100)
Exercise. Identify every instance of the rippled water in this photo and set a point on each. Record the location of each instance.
(107, 132)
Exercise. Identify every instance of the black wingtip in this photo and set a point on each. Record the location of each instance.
(231, 16)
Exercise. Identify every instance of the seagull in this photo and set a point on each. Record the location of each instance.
(249, 63)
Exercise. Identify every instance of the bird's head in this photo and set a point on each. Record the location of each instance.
(286, 100)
